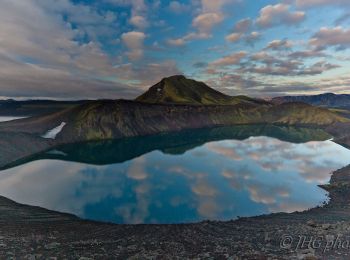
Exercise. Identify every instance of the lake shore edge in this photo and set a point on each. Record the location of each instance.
(29, 232)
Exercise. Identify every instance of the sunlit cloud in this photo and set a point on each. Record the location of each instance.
(279, 14)
(337, 37)
(134, 42)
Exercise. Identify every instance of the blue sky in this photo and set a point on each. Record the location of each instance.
(73, 49)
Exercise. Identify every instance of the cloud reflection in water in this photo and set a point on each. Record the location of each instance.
(219, 180)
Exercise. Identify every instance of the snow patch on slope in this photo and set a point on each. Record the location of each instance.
(51, 134)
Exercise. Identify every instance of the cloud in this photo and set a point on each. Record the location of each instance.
(228, 152)
(139, 12)
(279, 14)
(232, 59)
(178, 8)
(337, 37)
(134, 42)
(177, 42)
(43, 55)
(203, 188)
(243, 26)
(146, 74)
(332, 84)
(307, 54)
(137, 170)
(214, 6)
(62, 48)
(139, 22)
(210, 15)
(264, 57)
(279, 45)
(259, 194)
(42, 35)
(265, 63)
(314, 3)
(291, 68)
(240, 32)
(252, 37)
(20, 80)
(233, 37)
(205, 22)
(238, 84)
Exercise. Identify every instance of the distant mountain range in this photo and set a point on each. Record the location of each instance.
(325, 100)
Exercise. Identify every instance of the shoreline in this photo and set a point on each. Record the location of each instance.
(29, 231)
(36, 145)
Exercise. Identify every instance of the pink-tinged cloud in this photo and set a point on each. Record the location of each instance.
(232, 59)
(331, 37)
(280, 14)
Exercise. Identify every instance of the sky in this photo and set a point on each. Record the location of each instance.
(78, 49)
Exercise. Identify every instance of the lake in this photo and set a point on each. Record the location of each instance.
(216, 174)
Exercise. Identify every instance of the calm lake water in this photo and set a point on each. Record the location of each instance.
(188, 177)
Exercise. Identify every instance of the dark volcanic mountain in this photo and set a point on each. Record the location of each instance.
(325, 100)
(180, 90)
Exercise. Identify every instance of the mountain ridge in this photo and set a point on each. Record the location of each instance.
(178, 89)
(330, 100)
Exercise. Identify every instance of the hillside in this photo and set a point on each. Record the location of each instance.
(325, 100)
(180, 90)
(100, 120)
(126, 118)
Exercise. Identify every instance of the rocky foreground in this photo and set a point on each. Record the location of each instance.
(34, 233)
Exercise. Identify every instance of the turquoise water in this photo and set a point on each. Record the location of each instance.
(212, 179)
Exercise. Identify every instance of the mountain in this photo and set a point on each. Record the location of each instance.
(180, 90)
(114, 119)
(325, 100)
(12, 107)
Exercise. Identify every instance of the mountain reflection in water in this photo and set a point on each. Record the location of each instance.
(190, 176)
